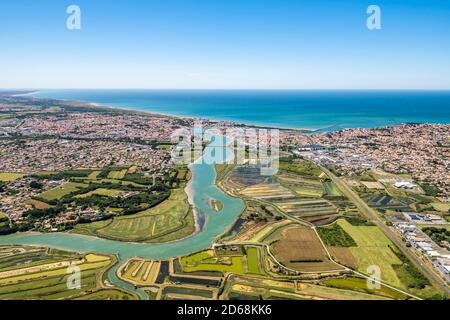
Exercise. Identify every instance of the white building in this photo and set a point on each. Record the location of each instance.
(405, 185)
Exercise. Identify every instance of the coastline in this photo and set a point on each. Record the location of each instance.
(182, 117)
(124, 109)
(91, 105)
(296, 111)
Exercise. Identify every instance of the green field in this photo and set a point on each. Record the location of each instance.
(101, 192)
(35, 273)
(117, 174)
(373, 249)
(165, 147)
(303, 186)
(9, 177)
(94, 175)
(360, 284)
(59, 192)
(207, 261)
(253, 260)
(442, 206)
(113, 181)
(108, 294)
(303, 168)
(170, 220)
(331, 190)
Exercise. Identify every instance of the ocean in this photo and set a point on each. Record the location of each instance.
(315, 110)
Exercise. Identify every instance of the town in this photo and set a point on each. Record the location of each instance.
(77, 168)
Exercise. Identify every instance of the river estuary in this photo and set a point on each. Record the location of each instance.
(202, 187)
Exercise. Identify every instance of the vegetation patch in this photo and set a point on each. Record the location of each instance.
(253, 260)
(117, 174)
(9, 177)
(216, 205)
(208, 261)
(438, 235)
(35, 273)
(303, 168)
(335, 236)
(64, 190)
(170, 220)
(108, 294)
(331, 189)
(101, 192)
(373, 248)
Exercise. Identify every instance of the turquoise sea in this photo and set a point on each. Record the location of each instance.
(326, 110)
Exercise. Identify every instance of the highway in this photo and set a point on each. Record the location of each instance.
(368, 212)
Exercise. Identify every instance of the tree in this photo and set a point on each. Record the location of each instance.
(35, 185)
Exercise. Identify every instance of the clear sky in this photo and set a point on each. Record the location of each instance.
(242, 44)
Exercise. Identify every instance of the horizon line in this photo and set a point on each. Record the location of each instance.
(233, 89)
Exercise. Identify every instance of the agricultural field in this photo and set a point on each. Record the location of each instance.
(40, 273)
(253, 260)
(59, 192)
(239, 288)
(9, 177)
(384, 202)
(247, 175)
(208, 281)
(265, 230)
(139, 272)
(299, 196)
(108, 294)
(300, 167)
(246, 289)
(331, 189)
(302, 186)
(94, 175)
(170, 220)
(268, 192)
(222, 170)
(113, 181)
(38, 204)
(299, 248)
(186, 293)
(229, 262)
(118, 175)
(306, 207)
(441, 206)
(360, 284)
(373, 185)
(101, 192)
(373, 248)
(209, 261)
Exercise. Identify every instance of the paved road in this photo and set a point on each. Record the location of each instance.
(366, 210)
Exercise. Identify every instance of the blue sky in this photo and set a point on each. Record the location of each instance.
(242, 44)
